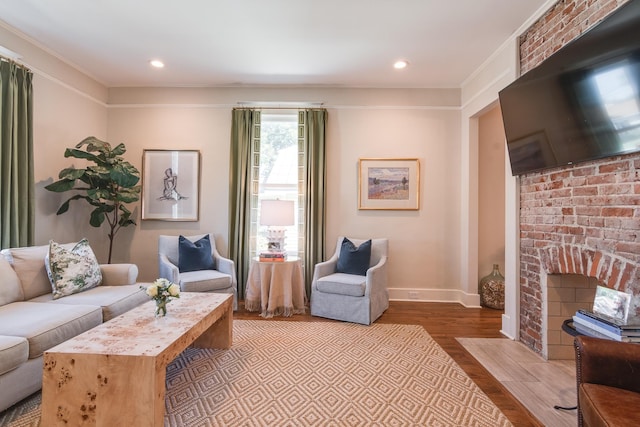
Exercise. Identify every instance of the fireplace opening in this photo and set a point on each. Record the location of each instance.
(565, 294)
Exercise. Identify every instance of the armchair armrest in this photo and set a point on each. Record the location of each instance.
(376, 277)
(606, 362)
(119, 274)
(167, 269)
(323, 269)
(226, 266)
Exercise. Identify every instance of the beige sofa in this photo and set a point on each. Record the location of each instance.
(31, 321)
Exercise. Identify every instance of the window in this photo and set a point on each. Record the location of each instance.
(279, 176)
(248, 185)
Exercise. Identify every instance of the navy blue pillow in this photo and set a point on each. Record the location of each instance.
(354, 260)
(193, 256)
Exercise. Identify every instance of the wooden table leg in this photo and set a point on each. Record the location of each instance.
(94, 389)
(220, 334)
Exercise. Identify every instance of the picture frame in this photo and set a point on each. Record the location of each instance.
(171, 185)
(612, 304)
(389, 184)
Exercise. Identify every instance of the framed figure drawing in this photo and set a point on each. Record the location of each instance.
(170, 185)
(389, 184)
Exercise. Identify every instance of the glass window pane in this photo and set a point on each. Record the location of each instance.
(279, 171)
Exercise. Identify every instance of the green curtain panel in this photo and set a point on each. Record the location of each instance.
(16, 156)
(245, 130)
(315, 185)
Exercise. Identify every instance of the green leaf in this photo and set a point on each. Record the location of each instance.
(94, 144)
(119, 150)
(60, 186)
(78, 154)
(128, 198)
(124, 223)
(63, 208)
(71, 173)
(123, 176)
(125, 217)
(97, 218)
(99, 193)
(102, 169)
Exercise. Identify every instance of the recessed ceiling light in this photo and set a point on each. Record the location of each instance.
(399, 65)
(156, 63)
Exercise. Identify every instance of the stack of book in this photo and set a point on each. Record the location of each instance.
(272, 256)
(598, 325)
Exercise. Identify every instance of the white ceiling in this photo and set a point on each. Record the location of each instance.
(276, 42)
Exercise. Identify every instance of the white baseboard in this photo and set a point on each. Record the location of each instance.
(507, 328)
(435, 295)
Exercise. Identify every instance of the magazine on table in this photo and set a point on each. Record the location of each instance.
(609, 322)
(593, 330)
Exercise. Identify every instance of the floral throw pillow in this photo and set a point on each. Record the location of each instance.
(72, 271)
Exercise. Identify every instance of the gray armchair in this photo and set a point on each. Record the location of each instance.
(351, 297)
(221, 279)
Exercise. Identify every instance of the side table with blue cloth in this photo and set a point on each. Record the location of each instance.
(276, 288)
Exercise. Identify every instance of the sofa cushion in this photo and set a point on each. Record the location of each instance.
(114, 300)
(343, 284)
(194, 256)
(10, 289)
(352, 259)
(72, 270)
(47, 325)
(14, 351)
(28, 263)
(204, 281)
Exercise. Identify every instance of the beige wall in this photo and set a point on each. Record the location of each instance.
(423, 244)
(68, 106)
(491, 184)
(388, 123)
(62, 118)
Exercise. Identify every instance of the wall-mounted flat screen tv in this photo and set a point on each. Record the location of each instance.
(582, 103)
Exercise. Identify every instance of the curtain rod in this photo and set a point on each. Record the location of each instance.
(279, 105)
(13, 61)
(258, 107)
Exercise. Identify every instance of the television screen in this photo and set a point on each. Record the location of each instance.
(582, 103)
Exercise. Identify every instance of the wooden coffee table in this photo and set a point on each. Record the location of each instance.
(114, 374)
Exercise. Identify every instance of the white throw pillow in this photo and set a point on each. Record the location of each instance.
(72, 271)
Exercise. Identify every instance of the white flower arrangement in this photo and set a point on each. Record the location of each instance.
(161, 291)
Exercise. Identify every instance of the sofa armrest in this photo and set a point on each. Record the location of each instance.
(606, 362)
(119, 274)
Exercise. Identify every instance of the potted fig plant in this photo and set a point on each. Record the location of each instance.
(108, 184)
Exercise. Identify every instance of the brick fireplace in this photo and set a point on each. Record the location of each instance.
(579, 224)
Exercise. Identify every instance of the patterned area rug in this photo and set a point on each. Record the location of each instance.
(315, 374)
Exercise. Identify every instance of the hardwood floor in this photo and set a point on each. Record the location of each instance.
(445, 322)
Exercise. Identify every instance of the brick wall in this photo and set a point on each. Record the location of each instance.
(582, 219)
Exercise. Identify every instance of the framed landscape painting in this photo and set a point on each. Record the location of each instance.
(389, 184)
(170, 185)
